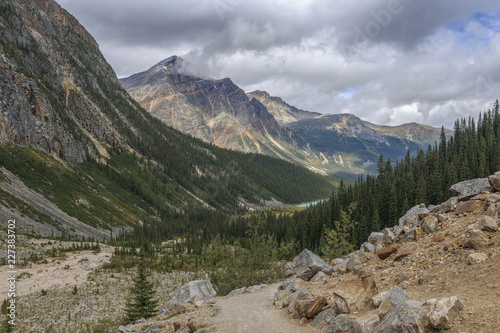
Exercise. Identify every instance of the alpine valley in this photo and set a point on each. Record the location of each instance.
(80, 158)
(221, 113)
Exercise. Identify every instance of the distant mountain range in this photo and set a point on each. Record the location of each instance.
(219, 112)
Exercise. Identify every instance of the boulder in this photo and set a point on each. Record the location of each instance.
(377, 299)
(282, 298)
(353, 262)
(447, 206)
(406, 250)
(443, 312)
(365, 323)
(494, 181)
(414, 234)
(430, 224)
(300, 302)
(476, 258)
(327, 321)
(353, 295)
(491, 210)
(376, 238)
(385, 252)
(477, 239)
(320, 276)
(397, 230)
(368, 247)
(412, 214)
(487, 223)
(393, 298)
(316, 307)
(307, 264)
(403, 318)
(292, 284)
(492, 198)
(472, 206)
(389, 237)
(200, 290)
(469, 188)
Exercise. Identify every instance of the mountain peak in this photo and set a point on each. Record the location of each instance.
(173, 64)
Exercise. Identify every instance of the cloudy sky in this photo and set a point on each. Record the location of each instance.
(386, 61)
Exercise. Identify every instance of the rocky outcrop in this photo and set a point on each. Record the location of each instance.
(469, 188)
(419, 239)
(307, 264)
(195, 292)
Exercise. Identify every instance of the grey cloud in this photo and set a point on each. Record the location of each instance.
(409, 67)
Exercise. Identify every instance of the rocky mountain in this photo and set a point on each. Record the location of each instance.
(281, 111)
(80, 158)
(216, 111)
(219, 112)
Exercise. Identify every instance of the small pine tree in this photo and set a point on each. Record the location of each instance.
(142, 303)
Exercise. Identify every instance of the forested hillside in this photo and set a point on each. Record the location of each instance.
(71, 136)
(373, 203)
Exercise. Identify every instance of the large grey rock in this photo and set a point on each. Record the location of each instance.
(200, 290)
(430, 224)
(443, 312)
(447, 206)
(320, 276)
(368, 247)
(307, 264)
(402, 319)
(328, 321)
(366, 323)
(292, 284)
(413, 214)
(393, 298)
(487, 223)
(376, 238)
(469, 188)
(354, 261)
(353, 295)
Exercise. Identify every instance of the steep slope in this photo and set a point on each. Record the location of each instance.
(74, 136)
(216, 111)
(282, 112)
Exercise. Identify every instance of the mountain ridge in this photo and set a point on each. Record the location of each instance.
(339, 145)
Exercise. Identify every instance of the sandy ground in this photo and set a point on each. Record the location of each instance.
(59, 272)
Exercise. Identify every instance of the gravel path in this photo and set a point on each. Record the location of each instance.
(255, 313)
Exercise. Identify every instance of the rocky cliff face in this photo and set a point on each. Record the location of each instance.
(217, 111)
(48, 90)
(282, 112)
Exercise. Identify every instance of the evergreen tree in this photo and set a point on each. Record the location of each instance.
(142, 303)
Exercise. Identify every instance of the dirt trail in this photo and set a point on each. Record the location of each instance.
(255, 313)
